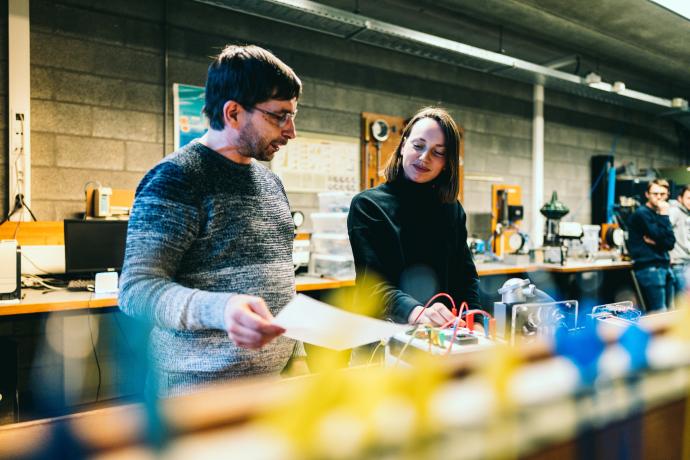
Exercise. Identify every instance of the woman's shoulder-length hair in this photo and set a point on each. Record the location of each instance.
(448, 182)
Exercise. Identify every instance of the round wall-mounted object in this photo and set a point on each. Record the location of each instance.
(298, 218)
(516, 241)
(380, 130)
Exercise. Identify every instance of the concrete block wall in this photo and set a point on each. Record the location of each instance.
(97, 100)
(102, 105)
(99, 90)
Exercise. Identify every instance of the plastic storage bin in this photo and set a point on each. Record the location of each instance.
(335, 201)
(333, 266)
(337, 244)
(590, 238)
(329, 222)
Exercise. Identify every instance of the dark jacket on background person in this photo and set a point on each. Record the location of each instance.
(411, 247)
(645, 222)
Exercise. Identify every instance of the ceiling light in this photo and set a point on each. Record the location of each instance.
(680, 7)
(618, 86)
(679, 103)
(592, 78)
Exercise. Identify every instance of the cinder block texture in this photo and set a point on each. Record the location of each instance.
(142, 156)
(102, 110)
(102, 100)
(89, 152)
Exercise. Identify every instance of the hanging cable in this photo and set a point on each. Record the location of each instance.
(95, 355)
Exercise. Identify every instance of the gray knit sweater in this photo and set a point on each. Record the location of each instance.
(202, 228)
(680, 221)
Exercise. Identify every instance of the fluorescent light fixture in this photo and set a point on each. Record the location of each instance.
(680, 7)
(477, 176)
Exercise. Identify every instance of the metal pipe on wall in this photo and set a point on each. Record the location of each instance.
(537, 221)
(19, 86)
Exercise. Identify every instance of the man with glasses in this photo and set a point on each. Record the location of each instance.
(209, 244)
(650, 238)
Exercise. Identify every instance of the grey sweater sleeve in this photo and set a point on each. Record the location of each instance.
(164, 222)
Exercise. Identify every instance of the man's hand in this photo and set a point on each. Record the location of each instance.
(648, 240)
(663, 208)
(248, 322)
(436, 315)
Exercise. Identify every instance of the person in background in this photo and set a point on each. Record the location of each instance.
(409, 235)
(679, 214)
(650, 238)
(209, 246)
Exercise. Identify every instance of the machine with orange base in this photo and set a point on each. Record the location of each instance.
(612, 236)
(506, 215)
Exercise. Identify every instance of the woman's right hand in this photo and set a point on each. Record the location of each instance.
(436, 315)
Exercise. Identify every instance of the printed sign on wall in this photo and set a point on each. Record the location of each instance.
(190, 123)
(310, 163)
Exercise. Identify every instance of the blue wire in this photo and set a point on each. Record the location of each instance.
(614, 144)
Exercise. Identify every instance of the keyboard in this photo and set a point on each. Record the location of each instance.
(80, 285)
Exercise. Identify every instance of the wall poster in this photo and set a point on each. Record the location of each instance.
(310, 163)
(190, 123)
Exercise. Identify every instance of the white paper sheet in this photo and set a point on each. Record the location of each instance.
(320, 324)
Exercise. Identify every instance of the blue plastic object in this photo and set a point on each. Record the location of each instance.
(635, 341)
(611, 195)
(583, 347)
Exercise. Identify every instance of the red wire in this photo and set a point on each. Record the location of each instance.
(455, 330)
(448, 323)
(440, 294)
(465, 306)
(466, 313)
(475, 311)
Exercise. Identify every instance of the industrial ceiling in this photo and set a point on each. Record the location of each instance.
(634, 38)
(634, 41)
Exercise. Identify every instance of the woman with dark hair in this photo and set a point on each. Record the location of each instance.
(409, 235)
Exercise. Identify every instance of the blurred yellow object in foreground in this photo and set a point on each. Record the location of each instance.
(342, 414)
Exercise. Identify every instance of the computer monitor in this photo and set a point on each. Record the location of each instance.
(93, 246)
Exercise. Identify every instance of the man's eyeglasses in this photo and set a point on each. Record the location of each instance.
(659, 193)
(280, 118)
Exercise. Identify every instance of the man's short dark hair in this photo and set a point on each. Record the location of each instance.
(682, 190)
(247, 75)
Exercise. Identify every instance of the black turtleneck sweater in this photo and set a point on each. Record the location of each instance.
(408, 246)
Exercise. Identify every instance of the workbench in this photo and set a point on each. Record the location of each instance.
(24, 323)
(593, 283)
(220, 418)
(37, 301)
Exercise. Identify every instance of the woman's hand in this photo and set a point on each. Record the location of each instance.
(436, 315)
